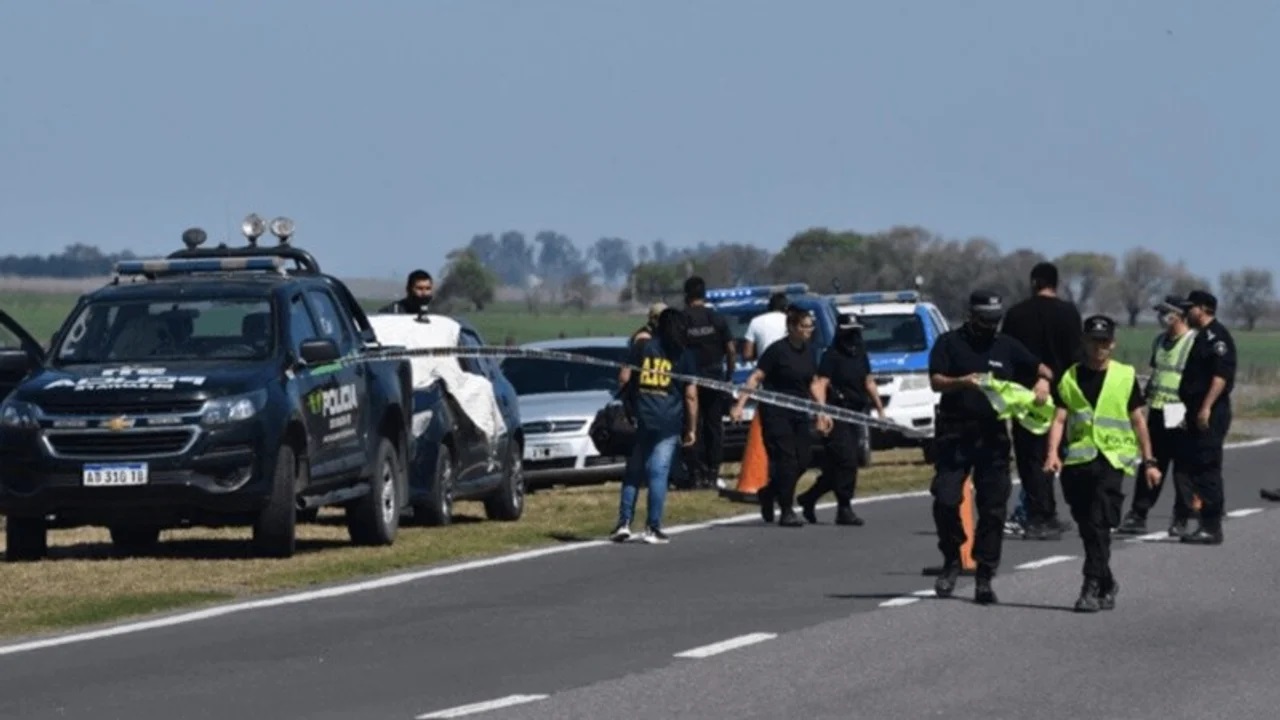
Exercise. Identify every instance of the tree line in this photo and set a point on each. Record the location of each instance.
(75, 261)
(552, 268)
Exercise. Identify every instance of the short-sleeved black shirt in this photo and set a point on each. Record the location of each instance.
(1213, 353)
(961, 352)
(1090, 382)
(788, 370)
(707, 334)
(847, 371)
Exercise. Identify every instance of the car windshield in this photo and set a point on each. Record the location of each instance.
(122, 331)
(532, 376)
(893, 333)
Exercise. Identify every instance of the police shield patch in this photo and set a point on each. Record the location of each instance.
(1220, 347)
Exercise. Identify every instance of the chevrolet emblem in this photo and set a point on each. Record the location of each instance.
(116, 424)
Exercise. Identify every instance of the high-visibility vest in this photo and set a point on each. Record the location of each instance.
(1011, 400)
(1168, 370)
(1105, 428)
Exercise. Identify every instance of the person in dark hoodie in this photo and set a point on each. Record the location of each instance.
(418, 291)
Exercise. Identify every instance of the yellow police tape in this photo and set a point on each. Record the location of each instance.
(767, 397)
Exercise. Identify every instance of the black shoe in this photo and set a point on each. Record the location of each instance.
(1042, 531)
(1107, 594)
(946, 582)
(846, 516)
(808, 508)
(1203, 537)
(982, 592)
(1178, 528)
(1088, 601)
(790, 519)
(766, 504)
(1134, 524)
(1272, 494)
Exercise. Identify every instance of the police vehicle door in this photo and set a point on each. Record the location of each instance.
(474, 459)
(20, 354)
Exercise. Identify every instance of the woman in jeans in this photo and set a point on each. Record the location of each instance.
(664, 409)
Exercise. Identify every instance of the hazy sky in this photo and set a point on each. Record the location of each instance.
(394, 131)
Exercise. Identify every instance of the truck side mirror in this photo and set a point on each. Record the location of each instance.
(317, 351)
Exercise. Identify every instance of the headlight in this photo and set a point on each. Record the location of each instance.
(18, 414)
(914, 382)
(234, 408)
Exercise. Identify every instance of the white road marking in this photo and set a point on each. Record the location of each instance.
(900, 601)
(1244, 512)
(480, 707)
(402, 578)
(1045, 562)
(1151, 536)
(726, 645)
(926, 593)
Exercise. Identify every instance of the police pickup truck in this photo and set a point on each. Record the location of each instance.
(216, 387)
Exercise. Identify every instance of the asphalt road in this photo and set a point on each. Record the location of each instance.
(595, 633)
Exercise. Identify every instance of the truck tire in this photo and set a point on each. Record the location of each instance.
(374, 518)
(275, 531)
(134, 538)
(437, 509)
(26, 538)
(507, 502)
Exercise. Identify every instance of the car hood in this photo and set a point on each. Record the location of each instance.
(545, 406)
(134, 384)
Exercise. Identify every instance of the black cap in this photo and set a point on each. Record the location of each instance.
(986, 304)
(1204, 299)
(1100, 327)
(847, 321)
(1173, 303)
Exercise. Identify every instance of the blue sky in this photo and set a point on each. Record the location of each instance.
(394, 131)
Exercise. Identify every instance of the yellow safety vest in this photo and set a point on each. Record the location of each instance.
(1011, 400)
(1105, 428)
(1168, 370)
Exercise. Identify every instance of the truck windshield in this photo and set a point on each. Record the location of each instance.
(532, 376)
(893, 333)
(123, 331)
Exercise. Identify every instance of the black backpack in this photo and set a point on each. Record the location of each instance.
(613, 431)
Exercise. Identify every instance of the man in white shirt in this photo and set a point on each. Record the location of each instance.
(765, 329)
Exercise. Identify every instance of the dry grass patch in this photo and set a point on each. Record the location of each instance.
(86, 581)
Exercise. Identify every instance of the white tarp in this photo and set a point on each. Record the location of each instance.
(474, 393)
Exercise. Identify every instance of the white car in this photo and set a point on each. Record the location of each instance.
(558, 401)
(899, 330)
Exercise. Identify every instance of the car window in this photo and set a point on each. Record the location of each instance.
(301, 326)
(531, 376)
(897, 333)
(475, 366)
(333, 323)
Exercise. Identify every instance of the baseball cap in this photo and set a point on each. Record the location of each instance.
(848, 321)
(1100, 327)
(986, 304)
(1172, 303)
(1204, 299)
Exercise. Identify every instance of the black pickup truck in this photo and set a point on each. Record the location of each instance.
(215, 387)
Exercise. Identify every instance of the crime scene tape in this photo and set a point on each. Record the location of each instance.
(760, 395)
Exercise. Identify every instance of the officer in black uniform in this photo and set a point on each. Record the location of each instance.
(971, 440)
(709, 337)
(844, 380)
(1205, 390)
(418, 290)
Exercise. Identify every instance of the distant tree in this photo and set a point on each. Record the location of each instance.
(613, 255)
(1142, 279)
(1082, 274)
(1247, 294)
(466, 278)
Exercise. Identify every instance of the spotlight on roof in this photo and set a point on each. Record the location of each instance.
(194, 238)
(253, 227)
(282, 228)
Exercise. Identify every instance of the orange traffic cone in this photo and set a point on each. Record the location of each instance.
(969, 523)
(754, 473)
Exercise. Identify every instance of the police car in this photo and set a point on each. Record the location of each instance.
(899, 330)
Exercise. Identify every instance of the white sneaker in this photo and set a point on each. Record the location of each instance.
(622, 533)
(655, 536)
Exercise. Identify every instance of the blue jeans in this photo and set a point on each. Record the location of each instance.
(650, 458)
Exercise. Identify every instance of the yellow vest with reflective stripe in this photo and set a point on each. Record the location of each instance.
(1011, 400)
(1168, 370)
(1105, 428)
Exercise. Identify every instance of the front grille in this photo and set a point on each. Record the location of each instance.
(556, 464)
(543, 427)
(129, 444)
(150, 407)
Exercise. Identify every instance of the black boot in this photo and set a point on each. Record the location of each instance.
(1088, 600)
(846, 516)
(983, 594)
(789, 518)
(1107, 593)
(946, 582)
(765, 496)
(1203, 536)
(808, 506)
(1134, 524)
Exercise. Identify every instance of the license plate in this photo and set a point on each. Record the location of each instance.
(546, 452)
(115, 475)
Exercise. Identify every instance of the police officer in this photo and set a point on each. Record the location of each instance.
(971, 439)
(844, 380)
(1205, 390)
(712, 343)
(1169, 353)
(418, 290)
(1101, 402)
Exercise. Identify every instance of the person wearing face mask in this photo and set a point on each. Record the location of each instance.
(971, 438)
(417, 295)
(786, 367)
(1165, 418)
(844, 380)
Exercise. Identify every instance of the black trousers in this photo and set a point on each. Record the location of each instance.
(1029, 452)
(787, 442)
(1095, 492)
(703, 460)
(1169, 446)
(839, 463)
(1206, 450)
(982, 452)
